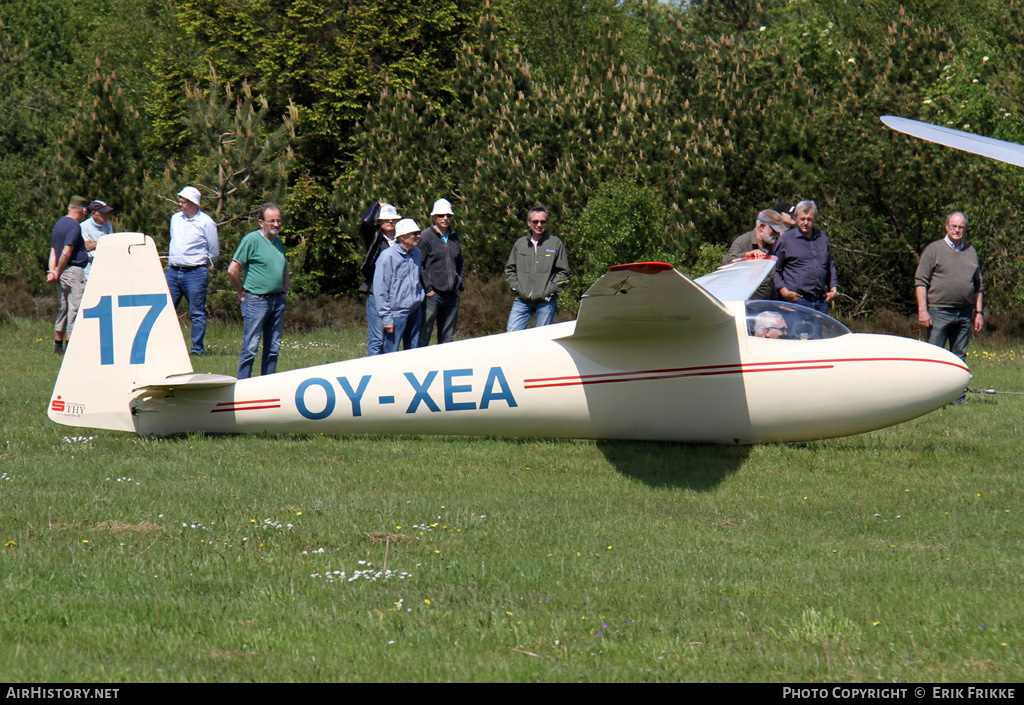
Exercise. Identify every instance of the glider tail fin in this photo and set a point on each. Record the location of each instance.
(126, 335)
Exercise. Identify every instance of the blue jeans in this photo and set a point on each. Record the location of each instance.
(951, 325)
(191, 282)
(262, 316)
(442, 307)
(407, 332)
(519, 316)
(374, 327)
(819, 305)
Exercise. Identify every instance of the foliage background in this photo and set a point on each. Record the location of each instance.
(651, 130)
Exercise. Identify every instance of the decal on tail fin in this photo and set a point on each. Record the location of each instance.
(126, 336)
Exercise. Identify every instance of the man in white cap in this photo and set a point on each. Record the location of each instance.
(194, 247)
(397, 288)
(382, 237)
(94, 228)
(442, 275)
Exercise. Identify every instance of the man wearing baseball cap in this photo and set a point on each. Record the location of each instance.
(67, 258)
(94, 228)
(194, 247)
(442, 274)
(756, 244)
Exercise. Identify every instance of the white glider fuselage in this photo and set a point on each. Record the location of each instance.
(695, 387)
(652, 356)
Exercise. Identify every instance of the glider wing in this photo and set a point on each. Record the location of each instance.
(964, 141)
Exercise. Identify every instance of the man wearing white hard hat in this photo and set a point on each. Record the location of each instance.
(194, 247)
(397, 288)
(442, 274)
(378, 226)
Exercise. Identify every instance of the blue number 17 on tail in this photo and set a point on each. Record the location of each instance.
(104, 311)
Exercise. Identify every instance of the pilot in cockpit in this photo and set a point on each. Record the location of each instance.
(769, 324)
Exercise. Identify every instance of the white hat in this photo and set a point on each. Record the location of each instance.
(190, 193)
(442, 207)
(388, 212)
(406, 226)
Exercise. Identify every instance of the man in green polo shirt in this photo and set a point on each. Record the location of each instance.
(259, 273)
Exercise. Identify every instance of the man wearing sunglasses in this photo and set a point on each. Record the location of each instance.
(442, 274)
(537, 270)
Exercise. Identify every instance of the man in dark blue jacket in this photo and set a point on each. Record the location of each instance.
(442, 272)
(805, 272)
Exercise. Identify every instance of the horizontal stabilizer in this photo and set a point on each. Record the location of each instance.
(191, 380)
(647, 298)
(964, 141)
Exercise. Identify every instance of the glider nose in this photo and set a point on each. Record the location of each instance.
(946, 375)
(909, 378)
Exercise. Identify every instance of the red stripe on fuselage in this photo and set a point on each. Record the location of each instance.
(247, 405)
(709, 370)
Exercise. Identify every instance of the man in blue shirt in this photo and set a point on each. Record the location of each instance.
(805, 272)
(194, 247)
(67, 258)
(94, 228)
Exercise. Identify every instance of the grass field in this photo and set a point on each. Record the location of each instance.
(891, 556)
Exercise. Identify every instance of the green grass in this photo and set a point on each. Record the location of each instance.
(890, 556)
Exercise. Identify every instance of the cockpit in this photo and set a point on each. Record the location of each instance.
(783, 320)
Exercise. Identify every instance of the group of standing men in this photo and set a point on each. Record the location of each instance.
(805, 272)
(258, 271)
(947, 284)
(413, 279)
(72, 242)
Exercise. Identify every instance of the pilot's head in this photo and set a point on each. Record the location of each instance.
(769, 324)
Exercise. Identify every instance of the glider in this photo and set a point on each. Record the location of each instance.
(653, 355)
(964, 141)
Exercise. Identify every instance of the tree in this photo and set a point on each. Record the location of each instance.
(241, 153)
(99, 153)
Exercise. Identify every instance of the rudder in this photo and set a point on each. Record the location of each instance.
(126, 335)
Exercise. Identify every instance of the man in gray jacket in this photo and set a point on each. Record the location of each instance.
(397, 288)
(537, 270)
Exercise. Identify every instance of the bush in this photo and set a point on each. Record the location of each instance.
(622, 223)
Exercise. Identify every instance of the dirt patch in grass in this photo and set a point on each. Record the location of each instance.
(119, 527)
